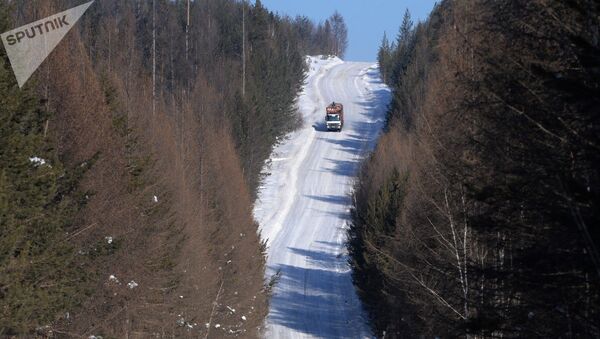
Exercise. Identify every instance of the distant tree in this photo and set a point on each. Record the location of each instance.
(404, 44)
(405, 29)
(327, 39)
(340, 34)
(305, 30)
(384, 57)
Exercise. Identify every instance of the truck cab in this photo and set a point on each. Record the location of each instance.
(334, 117)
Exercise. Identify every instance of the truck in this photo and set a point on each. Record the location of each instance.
(334, 117)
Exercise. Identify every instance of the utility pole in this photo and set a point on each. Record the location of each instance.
(244, 48)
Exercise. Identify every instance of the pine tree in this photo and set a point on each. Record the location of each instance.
(405, 29)
(328, 38)
(384, 57)
(403, 47)
(37, 270)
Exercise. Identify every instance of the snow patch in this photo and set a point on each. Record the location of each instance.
(37, 161)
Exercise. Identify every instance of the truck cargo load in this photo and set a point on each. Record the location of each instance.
(334, 117)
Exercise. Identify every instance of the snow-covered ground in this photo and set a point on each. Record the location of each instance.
(303, 205)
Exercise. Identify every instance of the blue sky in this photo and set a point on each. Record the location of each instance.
(366, 19)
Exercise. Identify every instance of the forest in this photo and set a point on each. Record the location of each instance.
(129, 163)
(477, 215)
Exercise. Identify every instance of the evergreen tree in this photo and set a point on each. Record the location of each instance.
(403, 49)
(384, 56)
(328, 38)
(405, 29)
(38, 273)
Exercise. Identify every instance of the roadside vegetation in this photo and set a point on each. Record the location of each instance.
(477, 213)
(38, 200)
(129, 162)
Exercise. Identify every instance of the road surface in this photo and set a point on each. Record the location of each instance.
(303, 204)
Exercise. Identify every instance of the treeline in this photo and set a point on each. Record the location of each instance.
(128, 165)
(255, 58)
(477, 214)
(329, 37)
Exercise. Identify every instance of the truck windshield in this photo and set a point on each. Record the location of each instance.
(333, 117)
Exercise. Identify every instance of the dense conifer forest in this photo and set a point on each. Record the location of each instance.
(478, 213)
(129, 162)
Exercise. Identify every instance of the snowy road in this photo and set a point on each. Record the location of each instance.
(303, 205)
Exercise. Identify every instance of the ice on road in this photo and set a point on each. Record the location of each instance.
(303, 204)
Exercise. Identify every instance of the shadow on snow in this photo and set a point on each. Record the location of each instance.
(304, 296)
(304, 302)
